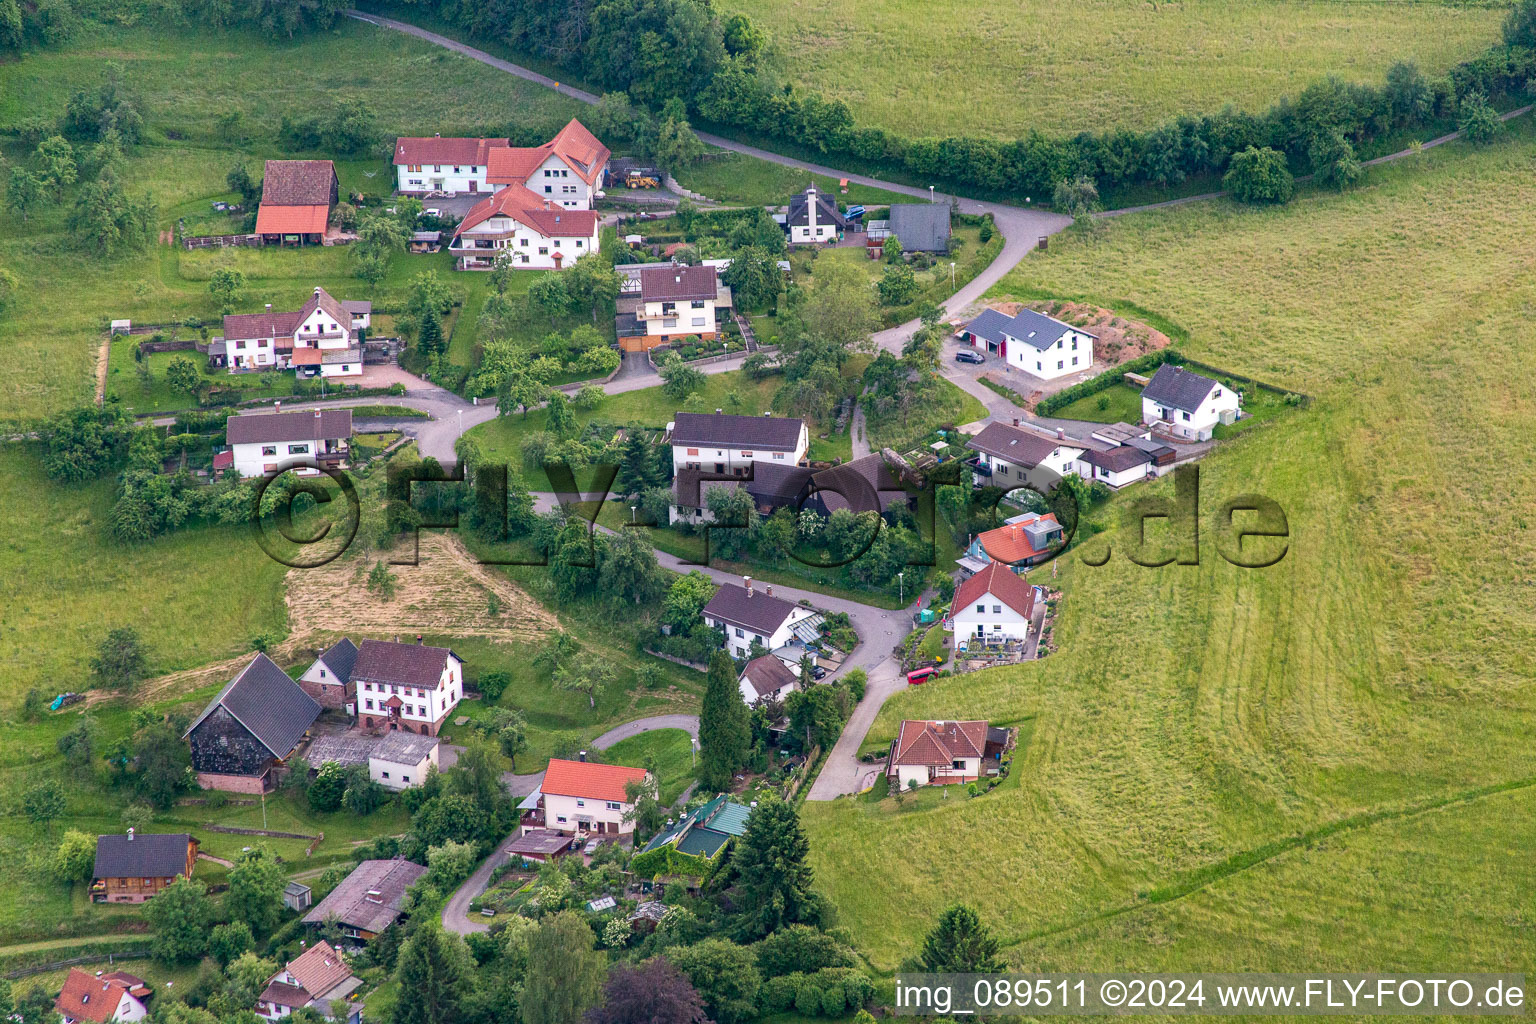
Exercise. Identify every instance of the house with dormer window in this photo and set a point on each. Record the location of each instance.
(1033, 342)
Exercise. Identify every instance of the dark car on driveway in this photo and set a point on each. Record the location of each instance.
(965, 355)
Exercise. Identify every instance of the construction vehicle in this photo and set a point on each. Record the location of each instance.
(642, 177)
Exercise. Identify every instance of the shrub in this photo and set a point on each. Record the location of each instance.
(1259, 176)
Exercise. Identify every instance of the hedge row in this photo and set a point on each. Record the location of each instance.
(829, 992)
(1109, 378)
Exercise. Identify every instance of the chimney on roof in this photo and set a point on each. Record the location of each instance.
(1015, 421)
(277, 406)
(317, 291)
(130, 835)
(719, 412)
(418, 638)
(437, 135)
(1061, 435)
(581, 755)
(317, 417)
(748, 581)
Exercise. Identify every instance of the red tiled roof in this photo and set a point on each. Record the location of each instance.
(89, 998)
(579, 148)
(515, 164)
(136, 985)
(224, 459)
(523, 206)
(590, 780)
(260, 325)
(298, 183)
(438, 150)
(929, 743)
(1010, 543)
(319, 969)
(291, 220)
(308, 357)
(1000, 581)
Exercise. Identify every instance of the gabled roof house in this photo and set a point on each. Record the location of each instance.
(1039, 345)
(749, 615)
(993, 606)
(368, 900)
(936, 752)
(530, 232)
(253, 724)
(86, 998)
(296, 201)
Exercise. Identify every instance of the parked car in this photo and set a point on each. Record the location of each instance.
(817, 672)
(965, 355)
(431, 211)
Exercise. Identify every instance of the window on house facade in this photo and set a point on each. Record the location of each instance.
(997, 609)
(269, 449)
(778, 455)
(581, 803)
(298, 449)
(740, 633)
(614, 805)
(957, 765)
(1059, 364)
(1185, 415)
(981, 608)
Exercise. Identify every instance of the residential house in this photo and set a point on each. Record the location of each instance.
(927, 753)
(993, 606)
(271, 442)
(250, 729)
(813, 218)
(568, 170)
(401, 760)
(529, 232)
(691, 489)
(369, 899)
(411, 687)
(449, 165)
(110, 997)
(329, 679)
(583, 796)
(920, 227)
(1033, 342)
(867, 484)
(1113, 467)
(296, 201)
(323, 338)
(1185, 404)
(1021, 542)
(132, 868)
(318, 978)
(704, 832)
(750, 616)
(297, 896)
(767, 679)
(1011, 455)
(721, 443)
(668, 302)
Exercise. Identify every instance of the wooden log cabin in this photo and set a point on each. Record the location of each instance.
(132, 868)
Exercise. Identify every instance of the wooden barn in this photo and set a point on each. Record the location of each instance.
(251, 727)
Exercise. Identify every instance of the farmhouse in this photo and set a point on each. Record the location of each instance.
(116, 996)
(993, 606)
(532, 233)
(568, 170)
(369, 899)
(1033, 342)
(665, 302)
(296, 201)
(1011, 456)
(132, 868)
(704, 832)
(586, 797)
(1021, 542)
(734, 444)
(437, 164)
(271, 442)
(920, 227)
(1185, 404)
(928, 753)
(767, 679)
(329, 679)
(250, 728)
(406, 686)
(813, 218)
(318, 978)
(751, 617)
(321, 339)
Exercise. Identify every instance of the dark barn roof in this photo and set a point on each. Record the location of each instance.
(298, 182)
(340, 657)
(720, 430)
(921, 226)
(268, 704)
(162, 855)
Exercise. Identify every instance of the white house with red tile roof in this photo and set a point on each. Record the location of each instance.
(533, 233)
(321, 339)
(313, 978)
(568, 170)
(936, 753)
(583, 796)
(437, 164)
(993, 606)
(87, 998)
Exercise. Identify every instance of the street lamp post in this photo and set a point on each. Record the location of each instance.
(632, 514)
(930, 193)
(901, 581)
(951, 273)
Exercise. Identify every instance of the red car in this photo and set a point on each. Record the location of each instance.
(921, 675)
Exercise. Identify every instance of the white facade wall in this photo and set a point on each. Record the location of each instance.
(397, 776)
(418, 705)
(526, 248)
(1062, 461)
(246, 353)
(1197, 424)
(989, 617)
(251, 460)
(970, 768)
(732, 460)
(817, 228)
(750, 697)
(441, 178)
(1071, 353)
(687, 316)
(1110, 477)
(739, 639)
(558, 182)
(562, 813)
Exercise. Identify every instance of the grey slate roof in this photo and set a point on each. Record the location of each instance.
(1177, 388)
(144, 856)
(271, 706)
(1031, 328)
(721, 430)
(346, 749)
(757, 611)
(864, 485)
(404, 747)
(340, 657)
(1018, 446)
(989, 324)
(277, 427)
(1117, 459)
(691, 490)
(921, 226)
(767, 674)
(350, 904)
(383, 661)
(826, 210)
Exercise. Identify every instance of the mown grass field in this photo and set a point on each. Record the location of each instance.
(1002, 69)
(1322, 764)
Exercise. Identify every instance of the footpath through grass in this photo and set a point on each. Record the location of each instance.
(1310, 760)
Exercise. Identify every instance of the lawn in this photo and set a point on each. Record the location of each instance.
(1120, 403)
(926, 69)
(950, 407)
(743, 180)
(672, 751)
(1304, 767)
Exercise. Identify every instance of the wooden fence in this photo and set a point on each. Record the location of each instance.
(221, 241)
(76, 961)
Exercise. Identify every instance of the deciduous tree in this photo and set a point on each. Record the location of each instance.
(565, 974)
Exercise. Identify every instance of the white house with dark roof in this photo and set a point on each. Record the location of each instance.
(323, 338)
(767, 679)
(270, 442)
(411, 687)
(813, 218)
(666, 302)
(402, 760)
(1012, 455)
(720, 443)
(529, 232)
(1033, 342)
(1185, 404)
(750, 615)
(329, 679)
